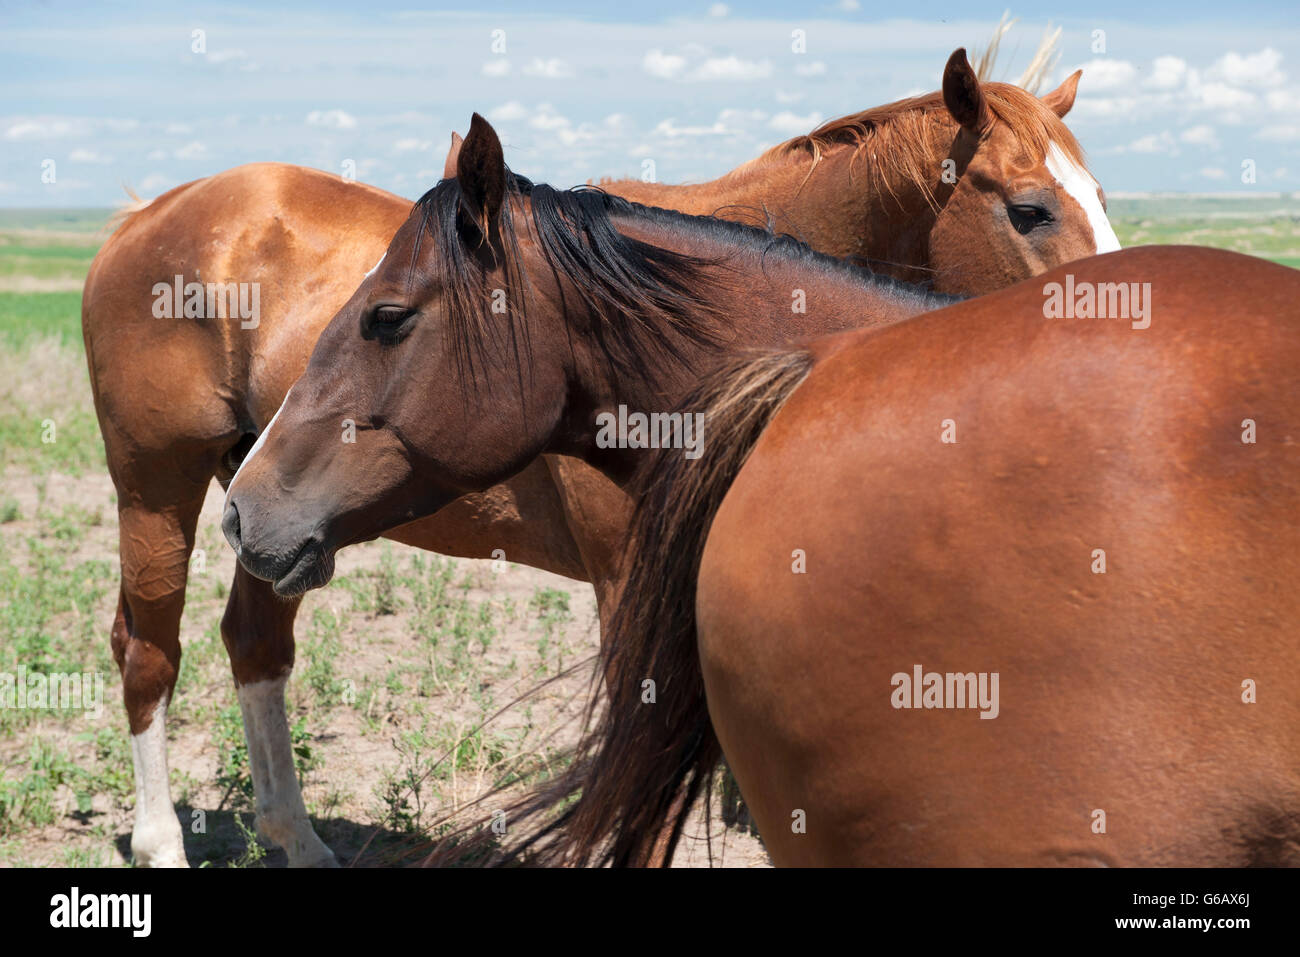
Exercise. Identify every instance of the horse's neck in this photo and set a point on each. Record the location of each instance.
(763, 295)
(847, 205)
(772, 293)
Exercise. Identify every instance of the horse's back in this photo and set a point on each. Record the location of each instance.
(291, 242)
(1103, 516)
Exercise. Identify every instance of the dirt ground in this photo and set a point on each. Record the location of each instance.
(399, 660)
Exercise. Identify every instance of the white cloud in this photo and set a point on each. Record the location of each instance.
(1201, 135)
(719, 10)
(411, 144)
(155, 182)
(551, 69)
(512, 110)
(1213, 172)
(1254, 69)
(739, 122)
(1283, 101)
(88, 156)
(226, 56)
(1221, 96)
(732, 68)
(191, 150)
(498, 67)
(1160, 142)
(849, 6)
(1280, 132)
(1103, 75)
(1105, 107)
(332, 119)
(1167, 73)
(791, 124)
(670, 129)
(816, 68)
(546, 118)
(40, 129)
(663, 65)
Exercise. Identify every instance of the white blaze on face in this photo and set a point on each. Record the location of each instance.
(261, 439)
(1083, 188)
(375, 267)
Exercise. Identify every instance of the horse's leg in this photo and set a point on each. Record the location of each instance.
(257, 629)
(597, 513)
(155, 544)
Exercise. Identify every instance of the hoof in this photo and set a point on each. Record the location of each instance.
(151, 849)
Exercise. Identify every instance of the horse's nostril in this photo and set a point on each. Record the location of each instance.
(230, 526)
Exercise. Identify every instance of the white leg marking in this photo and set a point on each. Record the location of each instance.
(1083, 188)
(281, 815)
(156, 836)
(261, 439)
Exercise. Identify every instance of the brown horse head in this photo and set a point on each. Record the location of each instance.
(1021, 172)
(969, 189)
(460, 358)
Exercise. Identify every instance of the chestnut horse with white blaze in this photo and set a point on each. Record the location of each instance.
(943, 484)
(969, 189)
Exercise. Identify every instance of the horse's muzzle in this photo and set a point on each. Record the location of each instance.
(293, 566)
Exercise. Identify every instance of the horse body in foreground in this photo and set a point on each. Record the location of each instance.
(1120, 726)
(974, 188)
(1122, 729)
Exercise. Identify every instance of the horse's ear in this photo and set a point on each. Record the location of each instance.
(1061, 99)
(453, 155)
(481, 170)
(963, 96)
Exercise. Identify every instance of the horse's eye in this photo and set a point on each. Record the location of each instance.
(1025, 217)
(388, 324)
(391, 315)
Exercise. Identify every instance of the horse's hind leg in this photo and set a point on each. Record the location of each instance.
(258, 631)
(155, 544)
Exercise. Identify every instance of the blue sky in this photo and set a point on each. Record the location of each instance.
(114, 93)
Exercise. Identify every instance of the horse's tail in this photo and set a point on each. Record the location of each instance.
(126, 210)
(652, 751)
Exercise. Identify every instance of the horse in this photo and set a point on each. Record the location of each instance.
(306, 238)
(1082, 490)
(890, 528)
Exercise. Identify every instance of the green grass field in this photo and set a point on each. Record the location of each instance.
(1268, 227)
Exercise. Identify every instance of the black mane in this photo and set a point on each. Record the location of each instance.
(633, 292)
